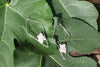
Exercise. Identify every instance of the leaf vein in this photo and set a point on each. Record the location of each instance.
(56, 61)
(4, 23)
(17, 12)
(65, 8)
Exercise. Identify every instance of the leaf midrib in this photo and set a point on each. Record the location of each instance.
(65, 8)
(7, 5)
(4, 22)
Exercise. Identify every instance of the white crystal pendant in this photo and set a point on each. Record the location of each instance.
(63, 50)
(41, 38)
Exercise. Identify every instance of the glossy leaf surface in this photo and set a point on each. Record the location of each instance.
(24, 20)
(79, 23)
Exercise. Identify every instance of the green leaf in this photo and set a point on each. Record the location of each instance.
(75, 8)
(58, 61)
(24, 20)
(79, 24)
(26, 58)
(78, 30)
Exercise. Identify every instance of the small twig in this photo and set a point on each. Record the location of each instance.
(94, 55)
